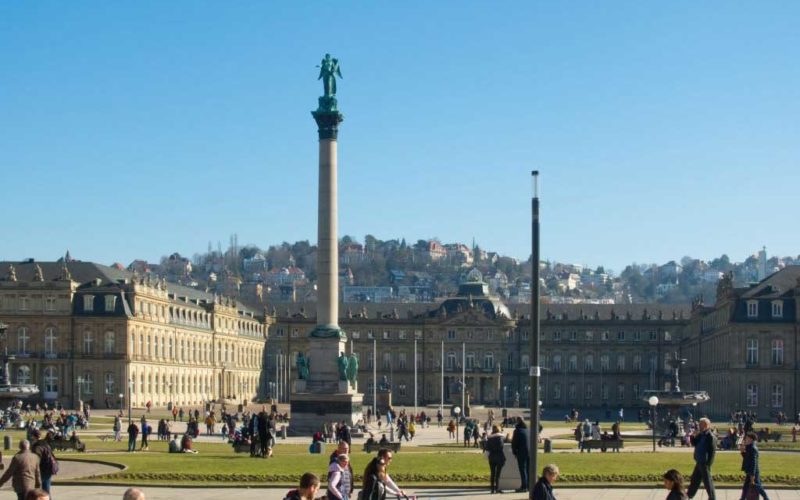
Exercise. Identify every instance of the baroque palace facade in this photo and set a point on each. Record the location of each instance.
(81, 330)
(594, 356)
(745, 349)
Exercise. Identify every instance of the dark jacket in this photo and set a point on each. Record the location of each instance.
(519, 441)
(494, 446)
(23, 472)
(676, 495)
(750, 460)
(705, 447)
(543, 490)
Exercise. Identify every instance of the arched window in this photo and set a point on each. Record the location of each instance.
(171, 350)
(557, 391)
(488, 361)
(50, 339)
(23, 374)
(109, 342)
(51, 379)
(109, 384)
(88, 342)
(22, 340)
(155, 346)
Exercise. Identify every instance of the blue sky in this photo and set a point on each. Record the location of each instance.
(660, 129)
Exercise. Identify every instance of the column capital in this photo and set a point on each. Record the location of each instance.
(328, 123)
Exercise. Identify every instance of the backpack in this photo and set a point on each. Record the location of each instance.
(47, 462)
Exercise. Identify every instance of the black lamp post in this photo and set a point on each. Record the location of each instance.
(653, 402)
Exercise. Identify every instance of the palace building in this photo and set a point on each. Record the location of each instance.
(85, 331)
(593, 356)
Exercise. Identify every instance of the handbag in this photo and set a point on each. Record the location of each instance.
(752, 493)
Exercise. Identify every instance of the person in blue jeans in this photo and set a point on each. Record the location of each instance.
(705, 448)
(750, 467)
(133, 433)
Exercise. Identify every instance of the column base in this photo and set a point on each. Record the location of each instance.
(309, 411)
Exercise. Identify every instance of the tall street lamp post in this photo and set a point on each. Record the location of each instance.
(130, 393)
(457, 411)
(535, 371)
(121, 399)
(653, 401)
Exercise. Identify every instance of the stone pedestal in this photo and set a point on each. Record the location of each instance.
(384, 401)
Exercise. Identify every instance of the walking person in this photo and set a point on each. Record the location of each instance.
(673, 481)
(519, 447)
(48, 465)
(543, 490)
(705, 448)
(497, 459)
(339, 480)
(377, 483)
(752, 478)
(309, 486)
(133, 433)
(23, 471)
(117, 429)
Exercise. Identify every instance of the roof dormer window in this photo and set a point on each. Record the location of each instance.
(752, 309)
(777, 308)
(88, 303)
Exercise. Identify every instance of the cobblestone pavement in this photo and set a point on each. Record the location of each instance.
(115, 492)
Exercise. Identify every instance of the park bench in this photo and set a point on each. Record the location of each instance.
(603, 444)
(374, 447)
(66, 444)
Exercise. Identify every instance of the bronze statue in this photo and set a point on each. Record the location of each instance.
(328, 71)
(675, 363)
(302, 366)
(342, 363)
(352, 369)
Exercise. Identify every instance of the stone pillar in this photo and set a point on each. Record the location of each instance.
(327, 229)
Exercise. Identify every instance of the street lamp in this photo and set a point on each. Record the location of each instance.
(121, 396)
(653, 402)
(457, 411)
(130, 393)
(80, 383)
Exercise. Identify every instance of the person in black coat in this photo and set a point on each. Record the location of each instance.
(497, 459)
(750, 467)
(543, 490)
(673, 481)
(519, 447)
(705, 448)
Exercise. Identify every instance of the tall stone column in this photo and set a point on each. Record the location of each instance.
(322, 391)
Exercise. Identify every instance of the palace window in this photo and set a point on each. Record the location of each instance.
(22, 340)
(588, 363)
(355, 334)
(557, 335)
(111, 303)
(637, 362)
(573, 363)
(752, 395)
(387, 360)
(604, 391)
(488, 361)
(49, 303)
(88, 342)
(402, 335)
(588, 391)
(524, 362)
(556, 362)
(653, 335)
(50, 339)
(777, 309)
(752, 352)
(470, 360)
(387, 335)
(637, 336)
(23, 303)
(109, 342)
(573, 335)
(451, 334)
(604, 362)
(620, 362)
(556, 391)
(777, 396)
(23, 374)
(635, 388)
(109, 384)
(604, 336)
(621, 336)
(401, 360)
(777, 352)
(50, 379)
(573, 393)
(86, 382)
(752, 308)
(451, 360)
(620, 391)
(88, 303)
(589, 335)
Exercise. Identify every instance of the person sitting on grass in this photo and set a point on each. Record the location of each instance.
(309, 486)
(186, 444)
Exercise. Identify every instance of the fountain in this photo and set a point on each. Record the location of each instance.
(9, 391)
(676, 401)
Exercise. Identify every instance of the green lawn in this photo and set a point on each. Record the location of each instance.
(431, 465)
